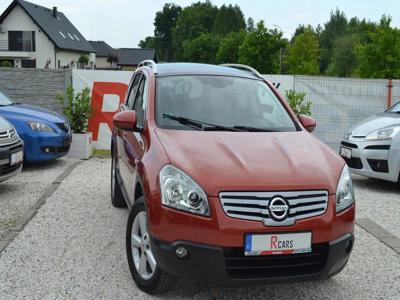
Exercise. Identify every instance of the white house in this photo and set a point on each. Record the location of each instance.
(33, 36)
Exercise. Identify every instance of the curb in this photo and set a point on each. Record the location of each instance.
(31, 212)
(380, 233)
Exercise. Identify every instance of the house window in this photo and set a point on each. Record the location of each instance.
(21, 41)
(71, 37)
(28, 63)
(62, 34)
(76, 38)
(59, 64)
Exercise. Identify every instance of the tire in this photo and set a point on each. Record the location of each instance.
(117, 198)
(150, 278)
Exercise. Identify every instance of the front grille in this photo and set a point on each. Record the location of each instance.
(63, 126)
(7, 169)
(354, 162)
(378, 147)
(7, 134)
(239, 266)
(52, 149)
(350, 145)
(254, 205)
(379, 165)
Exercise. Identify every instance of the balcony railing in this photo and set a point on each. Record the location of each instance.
(26, 46)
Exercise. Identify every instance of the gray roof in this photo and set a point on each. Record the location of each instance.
(133, 56)
(103, 49)
(70, 39)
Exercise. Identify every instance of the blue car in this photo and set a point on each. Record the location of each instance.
(46, 134)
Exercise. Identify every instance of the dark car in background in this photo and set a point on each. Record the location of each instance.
(46, 134)
(11, 151)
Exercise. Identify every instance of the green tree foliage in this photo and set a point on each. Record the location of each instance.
(148, 42)
(381, 57)
(250, 24)
(304, 54)
(344, 60)
(228, 50)
(77, 108)
(260, 49)
(84, 59)
(335, 27)
(297, 103)
(229, 19)
(202, 49)
(164, 24)
(6, 64)
(194, 20)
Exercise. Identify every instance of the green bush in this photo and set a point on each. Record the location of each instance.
(297, 103)
(6, 64)
(77, 108)
(84, 59)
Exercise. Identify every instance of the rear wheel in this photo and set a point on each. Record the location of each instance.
(117, 198)
(144, 269)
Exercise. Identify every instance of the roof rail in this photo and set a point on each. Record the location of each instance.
(150, 63)
(245, 68)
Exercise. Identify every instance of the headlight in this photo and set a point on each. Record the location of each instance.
(383, 134)
(37, 126)
(179, 191)
(344, 191)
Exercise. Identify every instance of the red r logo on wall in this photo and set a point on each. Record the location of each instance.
(100, 89)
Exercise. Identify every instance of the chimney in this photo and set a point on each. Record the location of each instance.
(55, 12)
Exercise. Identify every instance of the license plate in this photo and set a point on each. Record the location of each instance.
(275, 244)
(16, 158)
(345, 152)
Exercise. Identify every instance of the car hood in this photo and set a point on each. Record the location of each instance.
(4, 125)
(31, 112)
(228, 161)
(374, 123)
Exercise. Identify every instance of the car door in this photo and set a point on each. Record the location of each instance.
(123, 148)
(134, 145)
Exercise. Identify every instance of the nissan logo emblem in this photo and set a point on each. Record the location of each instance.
(278, 208)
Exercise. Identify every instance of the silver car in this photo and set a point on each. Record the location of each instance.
(11, 151)
(372, 147)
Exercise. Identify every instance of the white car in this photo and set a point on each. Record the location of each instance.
(11, 151)
(372, 147)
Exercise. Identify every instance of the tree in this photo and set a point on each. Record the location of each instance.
(250, 24)
(297, 103)
(194, 20)
(260, 49)
(228, 51)
(229, 19)
(148, 42)
(334, 28)
(164, 24)
(202, 49)
(304, 54)
(344, 60)
(381, 57)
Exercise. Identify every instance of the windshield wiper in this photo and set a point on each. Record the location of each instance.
(255, 129)
(199, 125)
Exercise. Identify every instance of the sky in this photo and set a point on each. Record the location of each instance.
(123, 23)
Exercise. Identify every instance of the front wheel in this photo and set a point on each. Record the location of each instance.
(142, 264)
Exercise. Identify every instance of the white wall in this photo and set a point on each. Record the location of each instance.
(18, 20)
(67, 57)
(101, 63)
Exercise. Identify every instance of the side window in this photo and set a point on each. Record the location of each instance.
(141, 102)
(131, 97)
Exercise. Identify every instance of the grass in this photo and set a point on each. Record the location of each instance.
(101, 153)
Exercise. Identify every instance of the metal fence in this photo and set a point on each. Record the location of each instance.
(339, 103)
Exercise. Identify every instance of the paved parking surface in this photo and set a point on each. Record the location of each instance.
(75, 248)
(19, 193)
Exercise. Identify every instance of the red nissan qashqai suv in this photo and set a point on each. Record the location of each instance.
(224, 183)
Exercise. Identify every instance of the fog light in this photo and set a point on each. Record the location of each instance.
(181, 252)
(47, 150)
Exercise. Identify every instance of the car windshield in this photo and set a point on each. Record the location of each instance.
(219, 103)
(395, 108)
(4, 100)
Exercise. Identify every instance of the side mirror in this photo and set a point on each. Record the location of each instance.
(125, 120)
(308, 123)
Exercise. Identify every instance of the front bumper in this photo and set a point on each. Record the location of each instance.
(6, 169)
(46, 146)
(227, 266)
(375, 159)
